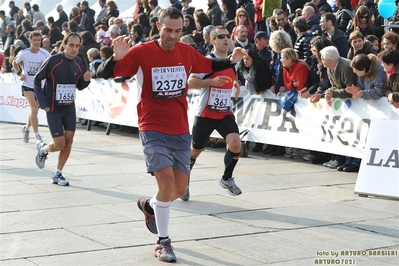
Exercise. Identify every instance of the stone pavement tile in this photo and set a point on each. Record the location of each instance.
(66, 199)
(265, 248)
(18, 188)
(127, 209)
(5, 208)
(304, 216)
(303, 244)
(43, 243)
(16, 174)
(187, 253)
(57, 218)
(339, 238)
(181, 228)
(113, 169)
(280, 198)
(376, 204)
(116, 235)
(208, 178)
(20, 262)
(211, 205)
(385, 226)
(329, 193)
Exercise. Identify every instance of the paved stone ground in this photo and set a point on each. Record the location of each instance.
(290, 213)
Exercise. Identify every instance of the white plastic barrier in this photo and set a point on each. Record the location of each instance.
(337, 126)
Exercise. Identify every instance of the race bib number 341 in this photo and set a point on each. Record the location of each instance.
(168, 82)
(65, 94)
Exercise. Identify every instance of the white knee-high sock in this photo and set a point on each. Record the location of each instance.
(162, 213)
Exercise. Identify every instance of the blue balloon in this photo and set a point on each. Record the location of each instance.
(386, 8)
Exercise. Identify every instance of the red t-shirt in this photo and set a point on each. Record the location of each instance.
(162, 81)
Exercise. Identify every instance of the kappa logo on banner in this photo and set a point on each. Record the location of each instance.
(13, 101)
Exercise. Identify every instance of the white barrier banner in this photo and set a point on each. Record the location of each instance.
(14, 107)
(108, 101)
(339, 126)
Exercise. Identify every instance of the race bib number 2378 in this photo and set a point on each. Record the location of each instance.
(168, 82)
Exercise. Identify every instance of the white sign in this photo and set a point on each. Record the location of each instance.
(14, 107)
(379, 170)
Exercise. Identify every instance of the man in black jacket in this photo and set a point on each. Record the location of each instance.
(87, 18)
(62, 16)
(282, 23)
(330, 31)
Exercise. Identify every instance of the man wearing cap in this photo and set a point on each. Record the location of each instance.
(40, 26)
(262, 46)
(186, 8)
(56, 48)
(176, 4)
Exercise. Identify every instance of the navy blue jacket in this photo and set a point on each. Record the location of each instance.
(58, 69)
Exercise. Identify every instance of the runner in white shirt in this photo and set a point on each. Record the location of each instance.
(27, 63)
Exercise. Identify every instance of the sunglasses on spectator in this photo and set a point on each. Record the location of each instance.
(222, 36)
(242, 15)
(360, 16)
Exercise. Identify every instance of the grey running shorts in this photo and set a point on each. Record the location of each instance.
(163, 150)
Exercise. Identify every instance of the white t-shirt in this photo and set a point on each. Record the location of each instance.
(31, 64)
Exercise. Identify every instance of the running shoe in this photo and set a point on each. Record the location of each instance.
(25, 134)
(38, 138)
(149, 218)
(164, 251)
(231, 186)
(59, 180)
(41, 156)
(186, 195)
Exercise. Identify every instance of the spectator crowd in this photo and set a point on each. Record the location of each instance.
(314, 48)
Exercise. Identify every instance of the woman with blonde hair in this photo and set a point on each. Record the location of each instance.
(112, 11)
(75, 14)
(295, 77)
(242, 18)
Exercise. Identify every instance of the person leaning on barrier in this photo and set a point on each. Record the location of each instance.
(390, 62)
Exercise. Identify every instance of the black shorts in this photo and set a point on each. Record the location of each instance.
(203, 128)
(24, 88)
(60, 121)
